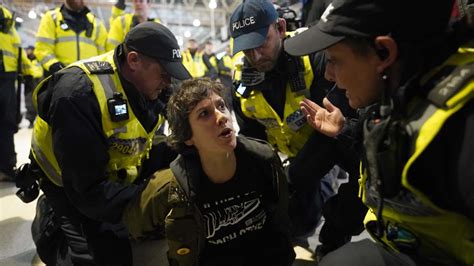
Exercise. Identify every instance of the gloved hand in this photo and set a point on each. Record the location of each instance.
(120, 4)
(56, 67)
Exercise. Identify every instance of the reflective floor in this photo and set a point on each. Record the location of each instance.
(16, 245)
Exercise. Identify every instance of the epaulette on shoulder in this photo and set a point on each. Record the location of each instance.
(451, 84)
(99, 67)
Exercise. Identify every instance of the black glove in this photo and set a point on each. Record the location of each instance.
(56, 67)
(120, 4)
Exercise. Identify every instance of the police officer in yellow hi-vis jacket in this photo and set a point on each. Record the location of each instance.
(192, 59)
(67, 34)
(272, 83)
(417, 88)
(10, 45)
(121, 25)
(92, 142)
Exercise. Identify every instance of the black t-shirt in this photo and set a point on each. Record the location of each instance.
(234, 215)
(239, 219)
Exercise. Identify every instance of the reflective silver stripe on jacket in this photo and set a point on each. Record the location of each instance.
(106, 81)
(8, 53)
(45, 40)
(46, 59)
(114, 42)
(122, 20)
(96, 28)
(73, 39)
(47, 166)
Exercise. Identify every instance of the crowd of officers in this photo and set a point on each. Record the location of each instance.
(67, 34)
(370, 92)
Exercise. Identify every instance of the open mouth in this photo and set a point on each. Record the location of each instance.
(227, 132)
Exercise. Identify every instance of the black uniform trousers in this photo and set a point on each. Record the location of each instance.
(8, 123)
(83, 241)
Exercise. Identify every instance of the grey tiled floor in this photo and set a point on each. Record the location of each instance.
(16, 245)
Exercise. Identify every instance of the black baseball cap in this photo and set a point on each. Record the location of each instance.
(249, 23)
(403, 19)
(156, 41)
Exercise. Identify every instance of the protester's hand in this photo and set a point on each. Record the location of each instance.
(328, 121)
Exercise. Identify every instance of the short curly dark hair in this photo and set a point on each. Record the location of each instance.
(180, 105)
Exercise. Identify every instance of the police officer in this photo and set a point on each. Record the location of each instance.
(267, 106)
(122, 24)
(192, 59)
(209, 61)
(67, 34)
(92, 138)
(417, 88)
(10, 44)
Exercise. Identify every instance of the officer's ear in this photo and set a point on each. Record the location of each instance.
(281, 27)
(133, 60)
(386, 49)
(189, 142)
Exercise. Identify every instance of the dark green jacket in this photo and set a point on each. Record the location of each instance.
(166, 206)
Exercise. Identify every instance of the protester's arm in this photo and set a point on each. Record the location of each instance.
(82, 149)
(145, 214)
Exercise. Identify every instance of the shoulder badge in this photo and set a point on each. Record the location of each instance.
(99, 67)
(450, 85)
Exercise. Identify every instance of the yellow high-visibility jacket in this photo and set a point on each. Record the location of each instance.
(413, 223)
(115, 13)
(10, 44)
(194, 65)
(57, 42)
(119, 28)
(130, 143)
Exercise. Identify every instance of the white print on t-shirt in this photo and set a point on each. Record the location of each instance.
(230, 215)
(236, 213)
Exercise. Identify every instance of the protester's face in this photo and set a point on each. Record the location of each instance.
(211, 124)
(140, 5)
(356, 74)
(264, 57)
(151, 78)
(74, 5)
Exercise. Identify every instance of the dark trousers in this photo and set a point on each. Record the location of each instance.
(8, 124)
(84, 241)
(343, 212)
(30, 84)
(365, 253)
